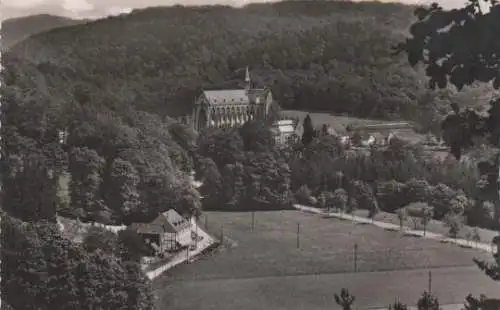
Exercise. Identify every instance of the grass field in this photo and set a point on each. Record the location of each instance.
(264, 269)
(338, 123)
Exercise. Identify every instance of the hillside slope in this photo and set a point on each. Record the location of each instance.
(333, 56)
(15, 30)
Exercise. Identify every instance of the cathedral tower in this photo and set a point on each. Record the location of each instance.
(248, 82)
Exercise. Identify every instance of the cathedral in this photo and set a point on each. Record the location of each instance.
(231, 107)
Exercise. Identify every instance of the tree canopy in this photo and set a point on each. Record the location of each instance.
(461, 47)
(169, 53)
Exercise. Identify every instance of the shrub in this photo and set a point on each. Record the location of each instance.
(100, 238)
(303, 195)
(133, 245)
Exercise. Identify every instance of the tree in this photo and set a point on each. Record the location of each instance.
(402, 215)
(132, 246)
(476, 237)
(222, 146)
(340, 199)
(472, 303)
(420, 211)
(256, 136)
(308, 134)
(391, 195)
(458, 47)
(211, 187)
(322, 200)
(365, 197)
(345, 299)
(122, 194)
(417, 190)
(98, 238)
(28, 189)
(428, 302)
(468, 236)
(438, 43)
(445, 200)
(303, 194)
(454, 222)
(51, 270)
(85, 167)
(356, 138)
(397, 305)
(330, 203)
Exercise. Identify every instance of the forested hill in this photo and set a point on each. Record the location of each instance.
(322, 55)
(15, 30)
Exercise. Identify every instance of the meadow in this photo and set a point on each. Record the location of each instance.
(263, 268)
(338, 123)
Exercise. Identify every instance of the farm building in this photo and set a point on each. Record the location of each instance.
(169, 231)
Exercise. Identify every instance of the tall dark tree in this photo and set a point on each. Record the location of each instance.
(122, 194)
(308, 134)
(345, 299)
(428, 302)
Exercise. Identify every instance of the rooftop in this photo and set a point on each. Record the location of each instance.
(234, 96)
(167, 222)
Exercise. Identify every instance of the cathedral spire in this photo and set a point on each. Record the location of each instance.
(248, 82)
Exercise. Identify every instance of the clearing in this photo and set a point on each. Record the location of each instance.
(264, 269)
(337, 122)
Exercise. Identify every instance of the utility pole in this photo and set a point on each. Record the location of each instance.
(298, 235)
(355, 257)
(196, 233)
(430, 282)
(222, 234)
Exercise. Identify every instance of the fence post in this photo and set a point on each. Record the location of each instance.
(355, 257)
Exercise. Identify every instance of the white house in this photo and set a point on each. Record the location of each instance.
(283, 131)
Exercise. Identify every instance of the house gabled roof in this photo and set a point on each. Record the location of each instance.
(167, 222)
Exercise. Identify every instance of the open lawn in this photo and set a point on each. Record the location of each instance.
(264, 269)
(337, 122)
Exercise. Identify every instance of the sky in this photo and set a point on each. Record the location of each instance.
(101, 8)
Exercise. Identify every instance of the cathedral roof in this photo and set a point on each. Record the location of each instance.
(234, 96)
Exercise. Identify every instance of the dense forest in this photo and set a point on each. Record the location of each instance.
(15, 30)
(333, 56)
(89, 131)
